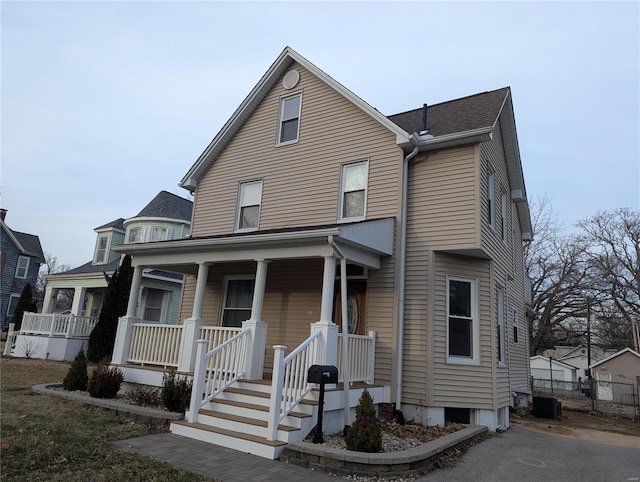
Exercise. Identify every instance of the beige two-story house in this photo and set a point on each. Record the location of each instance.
(325, 232)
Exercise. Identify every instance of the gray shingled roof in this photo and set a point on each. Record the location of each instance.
(115, 224)
(30, 243)
(459, 115)
(89, 268)
(167, 205)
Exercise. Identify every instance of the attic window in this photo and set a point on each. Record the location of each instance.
(102, 249)
(289, 119)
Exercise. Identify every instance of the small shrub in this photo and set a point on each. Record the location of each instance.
(145, 396)
(365, 435)
(105, 381)
(176, 392)
(77, 377)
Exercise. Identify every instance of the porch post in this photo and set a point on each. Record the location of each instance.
(328, 329)
(132, 306)
(192, 327)
(78, 300)
(49, 299)
(122, 344)
(256, 344)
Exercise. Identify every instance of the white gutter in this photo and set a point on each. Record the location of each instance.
(402, 259)
(346, 369)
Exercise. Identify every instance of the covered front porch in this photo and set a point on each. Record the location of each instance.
(226, 341)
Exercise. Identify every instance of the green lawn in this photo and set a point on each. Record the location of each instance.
(46, 438)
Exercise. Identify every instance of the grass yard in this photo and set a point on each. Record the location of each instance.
(50, 439)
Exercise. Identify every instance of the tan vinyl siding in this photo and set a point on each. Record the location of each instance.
(463, 385)
(443, 204)
(301, 181)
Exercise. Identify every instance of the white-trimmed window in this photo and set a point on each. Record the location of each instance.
(249, 200)
(503, 218)
(135, 235)
(22, 267)
(13, 302)
(491, 181)
(102, 249)
(462, 323)
(353, 191)
(154, 302)
(500, 338)
(289, 119)
(158, 233)
(514, 320)
(238, 298)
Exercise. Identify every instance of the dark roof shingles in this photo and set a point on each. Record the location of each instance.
(167, 205)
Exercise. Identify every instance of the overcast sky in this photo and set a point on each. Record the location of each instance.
(104, 104)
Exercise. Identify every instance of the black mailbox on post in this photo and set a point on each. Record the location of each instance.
(321, 374)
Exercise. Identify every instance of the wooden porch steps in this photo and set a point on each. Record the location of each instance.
(245, 420)
(260, 408)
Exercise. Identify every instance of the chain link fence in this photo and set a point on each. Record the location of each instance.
(608, 397)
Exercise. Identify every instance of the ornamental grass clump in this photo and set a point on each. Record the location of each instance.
(365, 435)
(176, 392)
(77, 378)
(105, 381)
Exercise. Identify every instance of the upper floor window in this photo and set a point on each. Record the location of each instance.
(503, 217)
(353, 191)
(102, 249)
(158, 233)
(462, 329)
(140, 234)
(289, 122)
(492, 200)
(249, 200)
(514, 320)
(22, 268)
(135, 235)
(238, 298)
(13, 302)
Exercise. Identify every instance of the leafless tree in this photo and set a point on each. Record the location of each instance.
(52, 266)
(557, 265)
(613, 240)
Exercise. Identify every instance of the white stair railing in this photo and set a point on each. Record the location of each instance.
(289, 380)
(362, 352)
(216, 370)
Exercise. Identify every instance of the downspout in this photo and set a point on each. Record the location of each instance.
(346, 369)
(401, 274)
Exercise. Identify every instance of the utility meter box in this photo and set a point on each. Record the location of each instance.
(322, 374)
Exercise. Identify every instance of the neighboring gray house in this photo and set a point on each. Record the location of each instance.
(20, 259)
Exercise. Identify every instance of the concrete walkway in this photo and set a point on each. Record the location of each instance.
(218, 462)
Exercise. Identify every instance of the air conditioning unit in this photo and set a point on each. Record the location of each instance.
(547, 407)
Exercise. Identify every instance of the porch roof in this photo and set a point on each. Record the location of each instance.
(362, 243)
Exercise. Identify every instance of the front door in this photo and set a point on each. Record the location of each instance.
(356, 306)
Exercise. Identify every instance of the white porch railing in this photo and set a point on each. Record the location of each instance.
(216, 370)
(289, 382)
(217, 335)
(362, 355)
(57, 324)
(155, 344)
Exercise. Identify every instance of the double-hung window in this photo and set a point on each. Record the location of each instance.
(500, 340)
(514, 320)
(102, 249)
(154, 300)
(238, 298)
(22, 268)
(462, 336)
(158, 233)
(289, 124)
(353, 191)
(503, 214)
(248, 211)
(135, 235)
(13, 302)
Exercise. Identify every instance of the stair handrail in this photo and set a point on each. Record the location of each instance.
(216, 370)
(289, 380)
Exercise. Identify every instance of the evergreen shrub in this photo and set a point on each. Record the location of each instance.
(77, 378)
(105, 381)
(365, 435)
(176, 392)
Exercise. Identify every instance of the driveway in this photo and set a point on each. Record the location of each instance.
(525, 455)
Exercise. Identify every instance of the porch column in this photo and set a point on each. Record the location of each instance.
(192, 327)
(78, 300)
(50, 295)
(201, 284)
(122, 344)
(132, 306)
(256, 343)
(328, 329)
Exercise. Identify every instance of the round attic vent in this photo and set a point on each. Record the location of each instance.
(291, 79)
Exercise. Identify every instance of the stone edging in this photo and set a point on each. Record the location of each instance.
(147, 415)
(415, 461)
